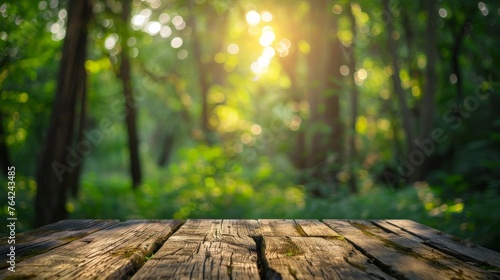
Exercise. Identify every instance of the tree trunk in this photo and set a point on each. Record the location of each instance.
(58, 157)
(333, 86)
(351, 142)
(4, 151)
(455, 65)
(324, 62)
(130, 105)
(289, 63)
(201, 70)
(74, 177)
(427, 105)
(316, 82)
(208, 73)
(167, 145)
(396, 84)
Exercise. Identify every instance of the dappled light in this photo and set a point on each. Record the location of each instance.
(145, 109)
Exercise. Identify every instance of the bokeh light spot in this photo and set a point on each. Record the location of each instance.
(164, 18)
(344, 70)
(266, 16)
(415, 91)
(453, 78)
(252, 17)
(256, 129)
(165, 31)
(362, 74)
(153, 28)
(110, 42)
(23, 97)
(304, 47)
(337, 9)
(138, 21)
(268, 52)
(176, 42)
(443, 13)
(267, 37)
(233, 49)
(219, 58)
(482, 7)
(182, 54)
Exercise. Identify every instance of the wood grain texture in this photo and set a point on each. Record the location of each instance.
(448, 244)
(277, 227)
(315, 228)
(207, 249)
(400, 256)
(247, 249)
(46, 238)
(111, 253)
(316, 258)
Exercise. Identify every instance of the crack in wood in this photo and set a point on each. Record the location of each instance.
(299, 229)
(261, 264)
(127, 253)
(265, 272)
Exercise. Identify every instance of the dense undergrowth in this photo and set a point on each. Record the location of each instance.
(201, 184)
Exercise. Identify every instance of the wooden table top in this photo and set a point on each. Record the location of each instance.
(246, 249)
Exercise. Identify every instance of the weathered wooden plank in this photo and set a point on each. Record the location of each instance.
(114, 252)
(315, 228)
(398, 255)
(43, 239)
(276, 227)
(316, 258)
(417, 245)
(198, 230)
(448, 244)
(414, 245)
(206, 249)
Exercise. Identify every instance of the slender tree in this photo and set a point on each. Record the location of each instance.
(396, 82)
(428, 103)
(201, 68)
(458, 39)
(207, 71)
(426, 107)
(324, 62)
(124, 75)
(73, 179)
(58, 156)
(289, 65)
(351, 139)
(4, 151)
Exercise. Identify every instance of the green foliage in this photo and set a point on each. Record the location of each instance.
(206, 185)
(25, 191)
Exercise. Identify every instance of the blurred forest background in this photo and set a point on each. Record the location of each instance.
(250, 109)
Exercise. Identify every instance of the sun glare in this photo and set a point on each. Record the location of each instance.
(267, 40)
